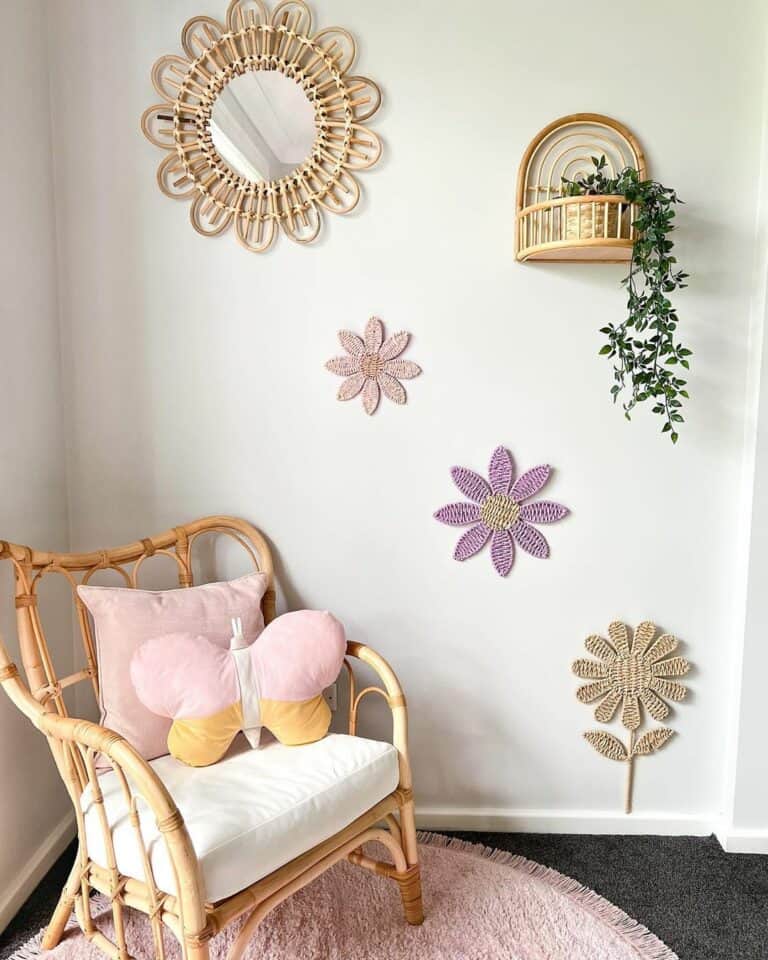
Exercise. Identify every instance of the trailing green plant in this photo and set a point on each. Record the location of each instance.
(644, 346)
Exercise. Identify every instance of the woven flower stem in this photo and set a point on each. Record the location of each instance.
(630, 773)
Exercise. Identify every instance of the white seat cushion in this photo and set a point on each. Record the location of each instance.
(252, 812)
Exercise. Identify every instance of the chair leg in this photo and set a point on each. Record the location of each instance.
(410, 881)
(197, 952)
(55, 929)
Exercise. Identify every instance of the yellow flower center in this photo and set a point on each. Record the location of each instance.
(370, 365)
(499, 512)
(630, 675)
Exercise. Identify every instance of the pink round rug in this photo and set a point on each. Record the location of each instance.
(481, 904)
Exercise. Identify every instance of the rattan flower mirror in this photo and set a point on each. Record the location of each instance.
(262, 123)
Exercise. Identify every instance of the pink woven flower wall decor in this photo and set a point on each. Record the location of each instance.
(373, 365)
(497, 511)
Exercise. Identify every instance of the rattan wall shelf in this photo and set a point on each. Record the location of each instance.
(582, 229)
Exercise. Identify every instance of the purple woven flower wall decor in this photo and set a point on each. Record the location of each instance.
(497, 511)
(373, 365)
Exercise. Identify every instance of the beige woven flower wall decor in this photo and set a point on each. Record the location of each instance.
(373, 366)
(635, 674)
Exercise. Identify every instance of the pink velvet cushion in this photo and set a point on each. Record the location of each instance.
(124, 619)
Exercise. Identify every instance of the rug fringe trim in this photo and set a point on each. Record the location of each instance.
(30, 950)
(646, 944)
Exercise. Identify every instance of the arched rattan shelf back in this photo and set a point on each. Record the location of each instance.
(579, 229)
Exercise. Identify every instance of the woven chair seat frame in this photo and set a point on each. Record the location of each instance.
(76, 743)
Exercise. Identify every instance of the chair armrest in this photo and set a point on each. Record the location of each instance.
(392, 693)
(93, 738)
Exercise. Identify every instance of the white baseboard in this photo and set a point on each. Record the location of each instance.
(740, 840)
(500, 820)
(35, 869)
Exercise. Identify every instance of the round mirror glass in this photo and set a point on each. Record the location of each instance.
(263, 125)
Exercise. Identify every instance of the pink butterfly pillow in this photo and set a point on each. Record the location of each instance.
(212, 693)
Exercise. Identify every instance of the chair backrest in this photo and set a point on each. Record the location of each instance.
(30, 566)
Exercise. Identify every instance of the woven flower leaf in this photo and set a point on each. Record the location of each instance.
(606, 744)
(652, 741)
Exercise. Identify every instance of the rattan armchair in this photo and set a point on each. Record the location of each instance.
(76, 744)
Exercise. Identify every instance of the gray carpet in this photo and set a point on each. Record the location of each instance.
(705, 904)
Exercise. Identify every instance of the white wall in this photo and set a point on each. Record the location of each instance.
(745, 823)
(194, 377)
(33, 805)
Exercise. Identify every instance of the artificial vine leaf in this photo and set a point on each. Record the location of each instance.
(652, 741)
(606, 744)
(644, 347)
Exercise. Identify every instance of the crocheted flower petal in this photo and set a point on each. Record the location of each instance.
(606, 709)
(392, 388)
(473, 540)
(502, 552)
(543, 511)
(630, 712)
(402, 369)
(351, 343)
(663, 646)
(589, 669)
(654, 705)
(343, 366)
(669, 689)
(644, 634)
(394, 345)
(351, 387)
(599, 647)
(617, 631)
(501, 470)
(591, 691)
(674, 667)
(471, 484)
(374, 335)
(371, 396)
(530, 482)
(530, 540)
(458, 514)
